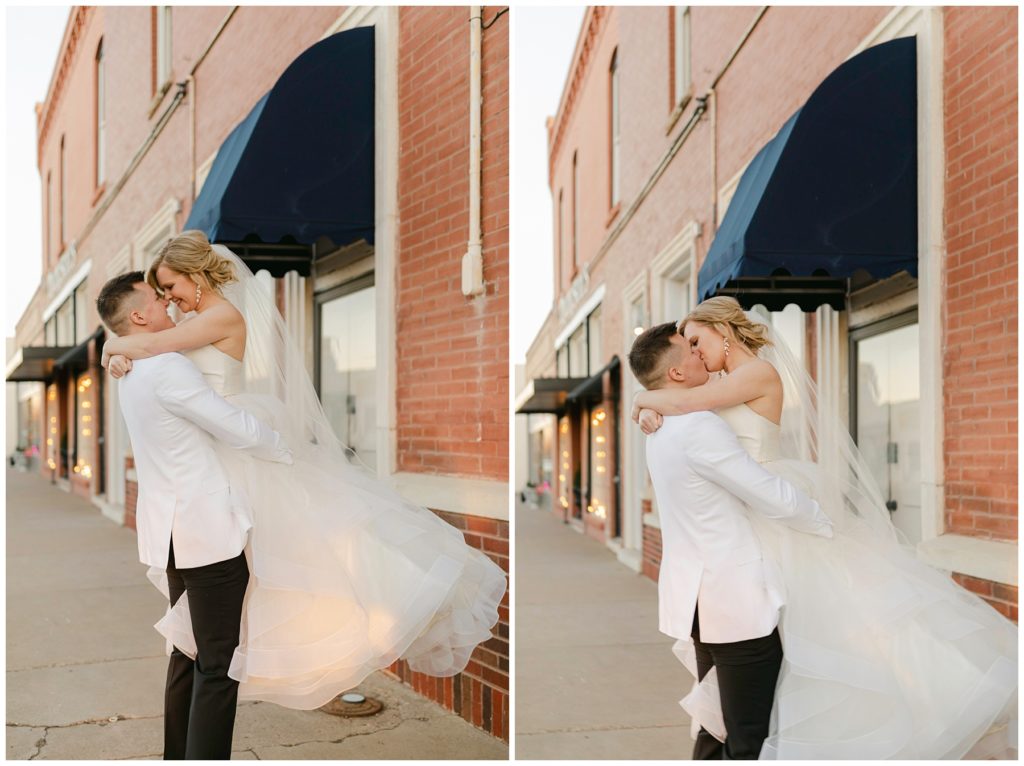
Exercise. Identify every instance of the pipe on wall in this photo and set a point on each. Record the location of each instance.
(472, 260)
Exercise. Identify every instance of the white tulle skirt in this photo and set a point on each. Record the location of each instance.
(884, 656)
(346, 578)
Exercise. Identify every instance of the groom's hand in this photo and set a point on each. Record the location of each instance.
(119, 365)
(650, 421)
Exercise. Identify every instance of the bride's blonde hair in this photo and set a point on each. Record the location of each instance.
(726, 316)
(190, 253)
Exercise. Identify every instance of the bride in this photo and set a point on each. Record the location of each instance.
(884, 656)
(348, 576)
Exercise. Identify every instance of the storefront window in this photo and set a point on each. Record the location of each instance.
(564, 464)
(563, 362)
(578, 353)
(600, 485)
(85, 428)
(66, 324)
(887, 386)
(52, 436)
(82, 329)
(348, 367)
(30, 405)
(594, 340)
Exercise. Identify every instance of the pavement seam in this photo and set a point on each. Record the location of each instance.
(86, 722)
(585, 730)
(353, 735)
(83, 664)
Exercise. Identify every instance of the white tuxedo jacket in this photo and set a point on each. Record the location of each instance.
(172, 416)
(704, 480)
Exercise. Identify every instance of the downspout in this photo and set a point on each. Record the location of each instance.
(472, 260)
(711, 97)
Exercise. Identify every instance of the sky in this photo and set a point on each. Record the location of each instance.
(543, 39)
(32, 38)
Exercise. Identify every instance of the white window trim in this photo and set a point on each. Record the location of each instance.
(679, 254)
(726, 193)
(580, 316)
(632, 511)
(163, 223)
(384, 19)
(203, 171)
(487, 498)
(65, 292)
(121, 262)
(681, 55)
(163, 46)
(987, 559)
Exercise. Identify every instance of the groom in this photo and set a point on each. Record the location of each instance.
(713, 585)
(185, 519)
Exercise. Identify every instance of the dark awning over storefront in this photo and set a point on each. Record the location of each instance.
(834, 193)
(546, 395)
(591, 390)
(35, 363)
(77, 357)
(299, 169)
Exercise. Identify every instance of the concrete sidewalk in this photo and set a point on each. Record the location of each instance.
(85, 668)
(594, 677)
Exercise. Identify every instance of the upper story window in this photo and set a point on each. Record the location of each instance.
(161, 47)
(48, 223)
(560, 245)
(63, 195)
(101, 116)
(681, 79)
(581, 354)
(615, 162)
(82, 330)
(575, 212)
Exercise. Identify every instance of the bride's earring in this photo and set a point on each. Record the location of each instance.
(199, 297)
(725, 343)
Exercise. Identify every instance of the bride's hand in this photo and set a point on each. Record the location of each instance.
(650, 421)
(118, 365)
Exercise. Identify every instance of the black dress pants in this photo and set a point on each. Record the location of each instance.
(747, 674)
(200, 698)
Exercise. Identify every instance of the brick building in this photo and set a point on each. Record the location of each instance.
(404, 320)
(663, 111)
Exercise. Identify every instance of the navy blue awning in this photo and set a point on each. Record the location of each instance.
(299, 169)
(833, 194)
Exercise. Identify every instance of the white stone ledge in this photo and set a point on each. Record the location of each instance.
(985, 559)
(472, 497)
(652, 520)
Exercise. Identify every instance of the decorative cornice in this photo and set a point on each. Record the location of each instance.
(69, 45)
(585, 45)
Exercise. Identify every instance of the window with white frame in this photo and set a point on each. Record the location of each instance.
(63, 194)
(82, 329)
(101, 116)
(615, 161)
(673, 273)
(681, 53)
(594, 350)
(162, 33)
(578, 356)
(575, 212)
(561, 235)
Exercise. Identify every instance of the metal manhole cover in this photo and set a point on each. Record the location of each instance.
(353, 705)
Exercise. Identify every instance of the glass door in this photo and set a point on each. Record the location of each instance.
(347, 365)
(886, 422)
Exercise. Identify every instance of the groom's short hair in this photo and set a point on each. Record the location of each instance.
(112, 303)
(648, 358)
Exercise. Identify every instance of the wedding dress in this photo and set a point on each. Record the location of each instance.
(884, 656)
(346, 575)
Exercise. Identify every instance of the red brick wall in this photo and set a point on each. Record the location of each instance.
(480, 693)
(1002, 597)
(452, 351)
(131, 495)
(651, 563)
(980, 354)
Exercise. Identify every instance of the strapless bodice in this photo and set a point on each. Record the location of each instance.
(222, 372)
(758, 435)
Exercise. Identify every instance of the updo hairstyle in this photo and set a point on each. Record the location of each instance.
(190, 253)
(727, 317)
